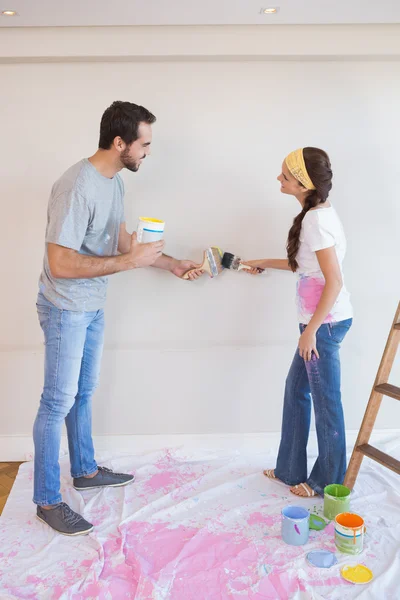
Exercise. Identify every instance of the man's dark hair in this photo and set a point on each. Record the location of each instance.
(122, 119)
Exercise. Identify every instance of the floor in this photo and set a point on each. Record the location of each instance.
(195, 525)
(8, 473)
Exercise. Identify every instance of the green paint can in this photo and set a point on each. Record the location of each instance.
(336, 500)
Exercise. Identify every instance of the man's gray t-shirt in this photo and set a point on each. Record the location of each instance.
(85, 212)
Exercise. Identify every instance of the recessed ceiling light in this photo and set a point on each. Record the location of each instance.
(9, 13)
(270, 11)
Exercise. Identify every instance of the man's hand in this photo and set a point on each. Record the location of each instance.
(182, 266)
(142, 255)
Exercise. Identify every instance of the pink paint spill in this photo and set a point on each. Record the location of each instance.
(258, 518)
(200, 564)
(33, 579)
(309, 290)
(161, 481)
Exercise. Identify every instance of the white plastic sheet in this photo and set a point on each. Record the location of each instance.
(196, 525)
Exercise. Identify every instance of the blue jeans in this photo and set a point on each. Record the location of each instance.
(319, 379)
(73, 349)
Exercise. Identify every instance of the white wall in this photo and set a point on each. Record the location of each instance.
(212, 356)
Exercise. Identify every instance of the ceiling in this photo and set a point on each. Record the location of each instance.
(64, 13)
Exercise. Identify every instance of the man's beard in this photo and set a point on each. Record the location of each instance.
(128, 162)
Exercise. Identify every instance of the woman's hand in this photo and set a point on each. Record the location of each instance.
(308, 344)
(255, 265)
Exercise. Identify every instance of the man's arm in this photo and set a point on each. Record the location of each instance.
(178, 267)
(66, 263)
(167, 263)
(124, 239)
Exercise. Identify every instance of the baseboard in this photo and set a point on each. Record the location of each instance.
(20, 448)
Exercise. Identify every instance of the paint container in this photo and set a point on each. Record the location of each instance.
(336, 500)
(149, 230)
(317, 523)
(349, 533)
(323, 559)
(295, 525)
(358, 574)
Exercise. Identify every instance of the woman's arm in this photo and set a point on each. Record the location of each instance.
(269, 263)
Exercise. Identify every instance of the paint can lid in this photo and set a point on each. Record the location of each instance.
(317, 522)
(324, 559)
(358, 574)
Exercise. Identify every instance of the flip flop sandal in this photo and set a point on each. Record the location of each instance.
(306, 489)
(269, 473)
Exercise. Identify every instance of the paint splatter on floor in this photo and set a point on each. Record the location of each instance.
(198, 526)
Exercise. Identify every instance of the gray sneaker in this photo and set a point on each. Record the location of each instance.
(63, 519)
(104, 478)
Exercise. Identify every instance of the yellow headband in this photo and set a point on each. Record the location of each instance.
(296, 165)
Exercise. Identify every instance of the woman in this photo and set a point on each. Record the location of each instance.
(316, 248)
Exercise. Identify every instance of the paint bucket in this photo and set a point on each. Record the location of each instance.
(295, 525)
(349, 533)
(149, 230)
(336, 500)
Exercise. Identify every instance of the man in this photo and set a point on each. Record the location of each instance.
(86, 240)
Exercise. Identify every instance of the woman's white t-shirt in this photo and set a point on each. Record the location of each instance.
(321, 228)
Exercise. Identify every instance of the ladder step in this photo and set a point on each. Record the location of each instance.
(388, 390)
(380, 457)
(397, 326)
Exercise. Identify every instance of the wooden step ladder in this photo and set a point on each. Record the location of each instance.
(381, 388)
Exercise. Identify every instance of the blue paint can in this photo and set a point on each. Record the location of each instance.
(295, 525)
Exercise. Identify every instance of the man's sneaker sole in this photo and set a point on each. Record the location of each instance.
(86, 532)
(97, 487)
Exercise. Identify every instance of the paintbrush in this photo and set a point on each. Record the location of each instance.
(211, 263)
(230, 261)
